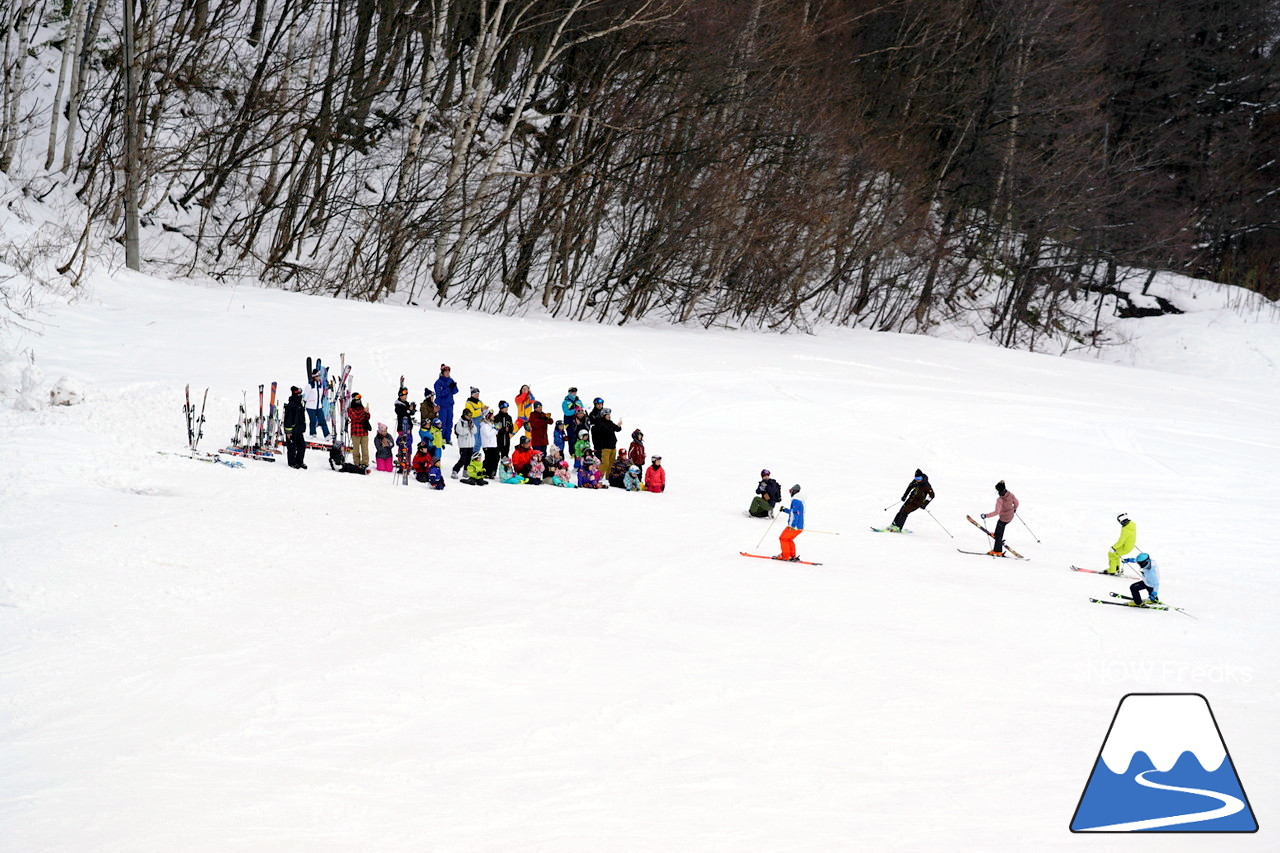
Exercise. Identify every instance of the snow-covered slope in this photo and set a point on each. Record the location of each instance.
(201, 658)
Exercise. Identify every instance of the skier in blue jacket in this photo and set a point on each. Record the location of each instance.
(570, 404)
(446, 389)
(795, 526)
(1150, 579)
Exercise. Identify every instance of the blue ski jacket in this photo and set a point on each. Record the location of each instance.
(795, 513)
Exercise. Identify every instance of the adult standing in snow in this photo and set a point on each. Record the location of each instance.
(917, 495)
(315, 405)
(295, 425)
(604, 435)
(446, 390)
(539, 422)
(427, 409)
(1127, 542)
(795, 526)
(1006, 507)
(404, 412)
(572, 402)
(359, 417)
(597, 411)
(1150, 579)
(768, 495)
(655, 476)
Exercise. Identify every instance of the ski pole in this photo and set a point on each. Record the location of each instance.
(766, 533)
(940, 524)
(1029, 530)
(828, 532)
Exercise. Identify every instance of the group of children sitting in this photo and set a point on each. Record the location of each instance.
(567, 461)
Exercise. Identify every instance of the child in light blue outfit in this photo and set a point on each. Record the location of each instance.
(1150, 579)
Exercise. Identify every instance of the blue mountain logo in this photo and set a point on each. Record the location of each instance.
(1164, 767)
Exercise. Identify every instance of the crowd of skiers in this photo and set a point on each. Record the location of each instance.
(919, 494)
(578, 450)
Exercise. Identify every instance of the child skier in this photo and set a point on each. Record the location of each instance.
(618, 472)
(631, 482)
(1006, 507)
(382, 446)
(560, 437)
(795, 526)
(422, 462)
(917, 495)
(655, 477)
(435, 437)
(475, 471)
(1150, 579)
(589, 475)
(489, 443)
(1126, 543)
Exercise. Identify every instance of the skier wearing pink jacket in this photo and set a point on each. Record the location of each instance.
(1006, 507)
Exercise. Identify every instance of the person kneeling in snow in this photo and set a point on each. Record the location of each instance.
(475, 470)
(655, 476)
(631, 482)
(422, 462)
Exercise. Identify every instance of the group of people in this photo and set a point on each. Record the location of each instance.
(578, 450)
(919, 494)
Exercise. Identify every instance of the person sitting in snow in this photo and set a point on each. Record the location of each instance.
(589, 475)
(618, 472)
(768, 493)
(475, 471)
(507, 474)
(435, 479)
(655, 477)
(537, 472)
(422, 461)
(632, 482)
(563, 477)
(522, 456)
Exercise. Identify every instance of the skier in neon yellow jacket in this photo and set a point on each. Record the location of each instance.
(1126, 543)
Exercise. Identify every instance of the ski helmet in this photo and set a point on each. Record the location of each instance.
(795, 490)
(599, 401)
(582, 433)
(477, 455)
(765, 472)
(634, 469)
(1123, 518)
(435, 422)
(1143, 559)
(503, 404)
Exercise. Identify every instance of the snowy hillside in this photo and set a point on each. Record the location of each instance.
(205, 659)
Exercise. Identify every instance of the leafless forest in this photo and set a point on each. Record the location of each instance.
(886, 164)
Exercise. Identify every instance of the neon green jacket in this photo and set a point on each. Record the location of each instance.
(1128, 538)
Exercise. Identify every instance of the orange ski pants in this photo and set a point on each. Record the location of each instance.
(788, 540)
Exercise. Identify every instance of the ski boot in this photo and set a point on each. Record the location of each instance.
(995, 553)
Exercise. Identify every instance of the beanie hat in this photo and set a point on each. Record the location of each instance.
(1000, 488)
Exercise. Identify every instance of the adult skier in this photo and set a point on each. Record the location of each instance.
(795, 526)
(768, 494)
(1150, 579)
(917, 495)
(446, 390)
(571, 403)
(1006, 508)
(295, 427)
(1127, 542)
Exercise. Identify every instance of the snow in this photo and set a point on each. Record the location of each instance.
(200, 658)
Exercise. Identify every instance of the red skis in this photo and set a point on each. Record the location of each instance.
(779, 559)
